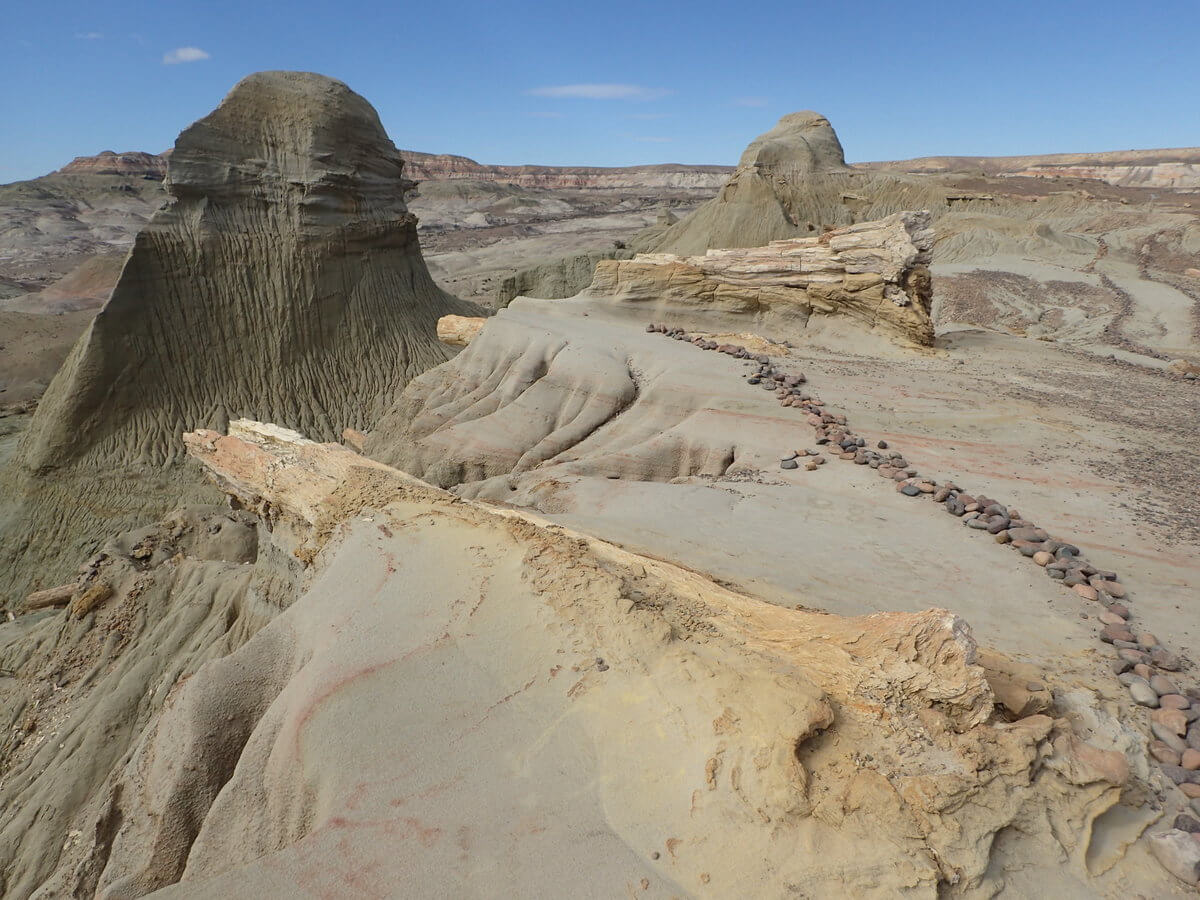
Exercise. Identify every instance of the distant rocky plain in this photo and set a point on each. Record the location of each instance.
(491, 232)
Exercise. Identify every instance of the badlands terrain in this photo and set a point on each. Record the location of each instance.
(377, 523)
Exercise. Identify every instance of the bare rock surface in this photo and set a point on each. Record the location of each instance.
(458, 331)
(106, 162)
(538, 646)
(307, 302)
(1166, 168)
(790, 182)
(875, 273)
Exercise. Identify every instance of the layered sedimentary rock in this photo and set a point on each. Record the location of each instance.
(284, 280)
(447, 167)
(876, 273)
(472, 683)
(1177, 168)
(132, 162)
(791, 182)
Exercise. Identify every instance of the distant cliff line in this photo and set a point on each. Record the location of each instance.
(1177, 168)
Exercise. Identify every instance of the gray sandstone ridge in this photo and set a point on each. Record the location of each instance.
(284, 280)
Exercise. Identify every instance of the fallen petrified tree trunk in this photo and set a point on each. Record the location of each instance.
(876, 273)
(524, 666)
(55, 596)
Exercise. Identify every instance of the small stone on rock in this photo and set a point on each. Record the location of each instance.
(1163, 754)
(1143, 694)
(1178, 853)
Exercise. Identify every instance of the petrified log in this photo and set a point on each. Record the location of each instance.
(458, 331)
(683, 683)
(876, 273)
(55, 596)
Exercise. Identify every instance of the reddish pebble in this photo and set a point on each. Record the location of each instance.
(1112, 633)
(1190, 759)
(1086, 591)
(1114, 589)
(1163, 753)
(1106, 617)
(1162, 684)
(1145, 671)
(1173, 719)
(1147, 640)
(1173, 701)
(1190, 790)
(1118, 609)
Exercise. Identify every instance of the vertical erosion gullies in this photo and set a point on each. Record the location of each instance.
(283, 281)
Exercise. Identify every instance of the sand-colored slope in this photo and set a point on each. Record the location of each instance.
(468, 701)
(284, 281)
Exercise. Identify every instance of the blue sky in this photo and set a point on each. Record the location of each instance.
(617, 83)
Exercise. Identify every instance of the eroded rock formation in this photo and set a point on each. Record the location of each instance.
(1177, 168)
(877, 273)
(790, 182)
(448, 167)
(131, 162)
(555, 279)
(510, 696)
(285, 281)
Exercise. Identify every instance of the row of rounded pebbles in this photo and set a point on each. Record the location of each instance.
(1142, 663)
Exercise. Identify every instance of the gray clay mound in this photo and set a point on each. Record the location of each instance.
(791, 182)
(283, 281)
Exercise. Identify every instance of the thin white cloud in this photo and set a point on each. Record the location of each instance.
(183, 55)
(544, 115)
(751, 101)
(601, 92)
(90, 36)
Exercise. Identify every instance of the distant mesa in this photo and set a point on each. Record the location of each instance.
(447, 167)
(131, 163)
